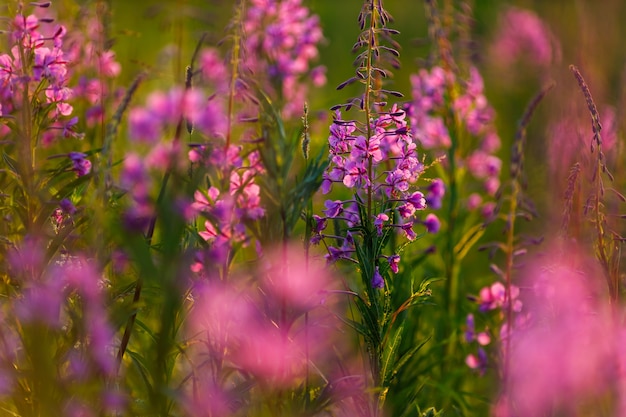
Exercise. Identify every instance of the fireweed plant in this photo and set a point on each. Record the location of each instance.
(502, 298)
(375, 157)
(192, 247)
(56, 329)
(453, 122)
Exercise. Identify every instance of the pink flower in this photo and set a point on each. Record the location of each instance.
(407, 228)
(108, 65)
(379, 222)
(292, 281)
(417, 200)
(494, 297)
(565, 355)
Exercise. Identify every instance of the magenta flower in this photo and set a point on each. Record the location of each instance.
(394, 263)
(379, 222)
(432, 223)
(108, 65)
(25, 30)
(417, 200)
(407, 228)
(289, 279)
(406, 210)
(282, 38)
(164, 110)
(493, 297)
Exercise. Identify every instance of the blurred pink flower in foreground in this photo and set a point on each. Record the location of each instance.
(254, 326)
(566, 354)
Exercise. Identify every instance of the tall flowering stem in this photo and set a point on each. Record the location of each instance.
(452, 118)
(377, 161)
(518, 206)
(607, 243)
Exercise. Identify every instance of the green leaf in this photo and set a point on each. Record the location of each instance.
(389, 356)
(142, 367)
(468, 240)
(371, 325)
(12, 164)
(407, 356)
(146, 329)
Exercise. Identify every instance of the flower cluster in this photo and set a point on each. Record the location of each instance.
(430, 89)
(282, 38)
(227, 212)
(62, 302)
(163, 116)
(85, 46)
(37, 69)
(387, 165)
(491, 298)
(164, 110)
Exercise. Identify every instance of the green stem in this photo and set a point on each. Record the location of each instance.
(510, 249)
(26, 150)
(450, 259)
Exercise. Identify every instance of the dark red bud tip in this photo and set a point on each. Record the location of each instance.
(42, 4)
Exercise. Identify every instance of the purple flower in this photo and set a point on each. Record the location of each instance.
(81, 165)
(335, 254)
(143, 126)
(417, 200)
(377, 280)
(333, 208)
(469, 328)
(432, 223)
(406, 210)
(407, 228)
(435, 192)
(319, 224)
(67, 206)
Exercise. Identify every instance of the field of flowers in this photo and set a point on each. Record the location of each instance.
(303, 208)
